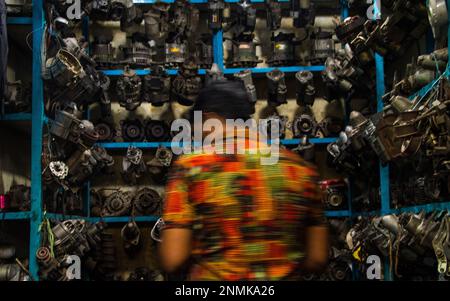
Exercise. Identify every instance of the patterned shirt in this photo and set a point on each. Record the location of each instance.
(248, 219)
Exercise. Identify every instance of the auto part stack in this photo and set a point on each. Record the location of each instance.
(62, 242)
(416, 244)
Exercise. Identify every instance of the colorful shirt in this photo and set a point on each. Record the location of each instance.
(247, 219)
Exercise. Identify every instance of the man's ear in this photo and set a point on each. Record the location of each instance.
(209, 115)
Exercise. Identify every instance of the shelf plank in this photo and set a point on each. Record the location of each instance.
(196, 1)
(120, 145)
(337, 213)
(142, 72)
(16, 117)
(15, 215)
(19, 20)
(289, 69)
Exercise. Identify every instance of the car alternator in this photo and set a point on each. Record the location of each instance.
(128, 89)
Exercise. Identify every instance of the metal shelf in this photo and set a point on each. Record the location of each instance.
(289, 69)
(257, 70)
(15, 215)
(118, 145)
(16, 117)
(142, 72)
(196, 1)
(19, 21)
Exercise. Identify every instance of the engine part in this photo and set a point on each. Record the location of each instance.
(334, 193)
(246, 77)
(103, 52)
(276, 88)
(216, 11)
(214, 74)
(156, 230)
(245, 17)
(139, 51)
(305, 88)
(117, 203)
(156, 22)
(347, 30)
(18, 198)
(146, 201)
(7, 252)
(12, 272)
(331, 126)
(306, 149)
(128, 88)
(283, 48)
(156, 87)
(157, 131)
(133, 165)
(438, 17)
(106, 257)
(360, 133)
(187, 84)
(49, 267)
(242, 52)
(65, 201)
(132, 130)
(18, 7)
(304, 125)
(159, 164)
(58, 169)
(85, 164)
(175, 53)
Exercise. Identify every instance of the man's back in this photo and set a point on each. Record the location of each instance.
(247, 219)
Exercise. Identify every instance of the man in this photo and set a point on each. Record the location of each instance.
(232, 218)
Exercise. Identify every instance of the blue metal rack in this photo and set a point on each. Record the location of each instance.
(36, 214)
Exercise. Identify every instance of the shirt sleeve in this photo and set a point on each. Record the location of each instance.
(178, 211)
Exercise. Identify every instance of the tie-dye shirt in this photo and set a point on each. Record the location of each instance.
(248, 220)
